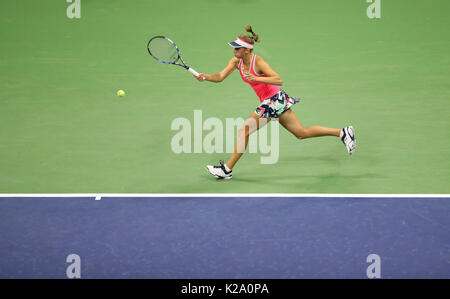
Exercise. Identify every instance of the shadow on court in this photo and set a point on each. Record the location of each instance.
(323, 178)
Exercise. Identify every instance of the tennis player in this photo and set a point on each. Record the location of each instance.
(275, 103)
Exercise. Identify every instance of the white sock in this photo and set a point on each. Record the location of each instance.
(226, 168)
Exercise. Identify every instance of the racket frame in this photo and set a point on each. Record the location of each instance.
(184, 65)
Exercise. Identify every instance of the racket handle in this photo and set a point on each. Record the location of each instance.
(193, 72)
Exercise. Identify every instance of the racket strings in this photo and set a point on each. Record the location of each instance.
(163, 50)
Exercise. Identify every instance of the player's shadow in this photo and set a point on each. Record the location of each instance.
(332, 178)
(331, 162)
(323, 178)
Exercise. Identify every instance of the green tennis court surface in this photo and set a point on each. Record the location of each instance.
(63, 129)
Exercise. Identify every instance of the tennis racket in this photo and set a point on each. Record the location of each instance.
(165, 51)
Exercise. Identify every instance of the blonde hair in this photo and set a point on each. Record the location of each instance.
(251, 39)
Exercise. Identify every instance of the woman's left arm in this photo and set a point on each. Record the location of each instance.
(263, 67)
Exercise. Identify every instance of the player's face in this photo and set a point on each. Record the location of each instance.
(239, 52)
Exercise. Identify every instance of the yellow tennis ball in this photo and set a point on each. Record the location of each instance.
(121, 93)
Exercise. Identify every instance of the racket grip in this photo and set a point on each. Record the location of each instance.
(193, 72)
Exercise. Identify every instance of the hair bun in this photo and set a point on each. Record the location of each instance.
(254, 36)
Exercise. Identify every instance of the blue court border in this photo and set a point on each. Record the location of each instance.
(221, 236)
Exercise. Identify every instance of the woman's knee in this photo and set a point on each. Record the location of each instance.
(302, 133)
(244, 131)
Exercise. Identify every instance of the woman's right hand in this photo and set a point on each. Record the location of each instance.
(201, 77)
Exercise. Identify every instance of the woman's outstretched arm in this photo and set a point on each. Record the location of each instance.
(219, 77)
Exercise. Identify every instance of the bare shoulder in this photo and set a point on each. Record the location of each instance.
(260, 65)
(259, 59)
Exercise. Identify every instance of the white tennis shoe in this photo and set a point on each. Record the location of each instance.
(348, 138)
(219, 171)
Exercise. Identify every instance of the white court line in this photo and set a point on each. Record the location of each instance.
(98, 196)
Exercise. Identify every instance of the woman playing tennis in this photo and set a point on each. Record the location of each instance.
(275, 103)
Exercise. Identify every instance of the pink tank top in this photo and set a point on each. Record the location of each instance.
(263, 90)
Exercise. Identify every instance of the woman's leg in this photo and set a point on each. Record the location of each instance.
(252, 124)
(290, 121)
